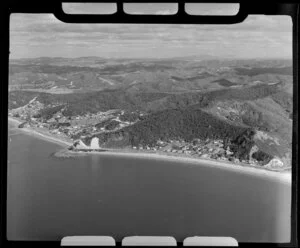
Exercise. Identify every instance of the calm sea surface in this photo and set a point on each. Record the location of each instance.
(49, 197)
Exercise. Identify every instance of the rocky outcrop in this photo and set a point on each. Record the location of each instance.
(275, 163)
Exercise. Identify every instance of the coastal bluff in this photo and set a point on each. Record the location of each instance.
(93, 145)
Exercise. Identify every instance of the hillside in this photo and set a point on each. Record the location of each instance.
(238, 109)
(185, 123)
(80, 103)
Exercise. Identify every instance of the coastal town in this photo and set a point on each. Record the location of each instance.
(75, 129)
(71, 128)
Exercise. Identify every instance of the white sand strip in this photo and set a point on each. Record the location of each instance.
(39, 134)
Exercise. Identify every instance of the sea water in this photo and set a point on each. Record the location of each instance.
(50, 197)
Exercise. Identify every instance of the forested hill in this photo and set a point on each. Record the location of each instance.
(183, 123)
(81, 103)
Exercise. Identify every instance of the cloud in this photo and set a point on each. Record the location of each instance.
(268, 35)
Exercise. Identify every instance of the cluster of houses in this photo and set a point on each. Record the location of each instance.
(27, 111)
(200, 148)
(73, 127)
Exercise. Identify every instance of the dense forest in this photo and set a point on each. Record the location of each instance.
(48, 112)
(185, 124)
(242, 143)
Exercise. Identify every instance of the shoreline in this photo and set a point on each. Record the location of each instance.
(284, 175)
(34, 132)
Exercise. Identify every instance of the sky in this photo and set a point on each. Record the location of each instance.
(42, 35)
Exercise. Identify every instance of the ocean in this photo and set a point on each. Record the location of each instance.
(51, 197)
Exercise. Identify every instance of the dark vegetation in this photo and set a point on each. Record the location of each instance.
(22, 124)
(59, 70)
(262, 157)
(249, 93)
(264, 70)
(113, 124)
(78, 135)
(255, 119)
(194, 78)
(203, 100)
(63, 69)
(108, 124)
(56, 125)
(185, 124)
(129, 116)
(241, 144)
(18, 99)
(275, 150)
(151, 96)
(48, 112)
(132, 67)
(100, 101)
(82, 103)
(224, 82)
(102, 124)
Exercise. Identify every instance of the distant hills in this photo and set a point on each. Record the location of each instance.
(265, 70)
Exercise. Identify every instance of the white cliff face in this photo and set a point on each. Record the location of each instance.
(95, 143)
(81, 145)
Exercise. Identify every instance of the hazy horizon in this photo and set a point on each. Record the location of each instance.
(258, 37)
(154, 58)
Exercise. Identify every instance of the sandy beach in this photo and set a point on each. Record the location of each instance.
(38, 134)
(284, 176)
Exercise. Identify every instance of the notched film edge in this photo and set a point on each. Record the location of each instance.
(151, 123)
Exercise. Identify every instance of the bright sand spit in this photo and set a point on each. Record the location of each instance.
(44, 136)
(282, 176)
